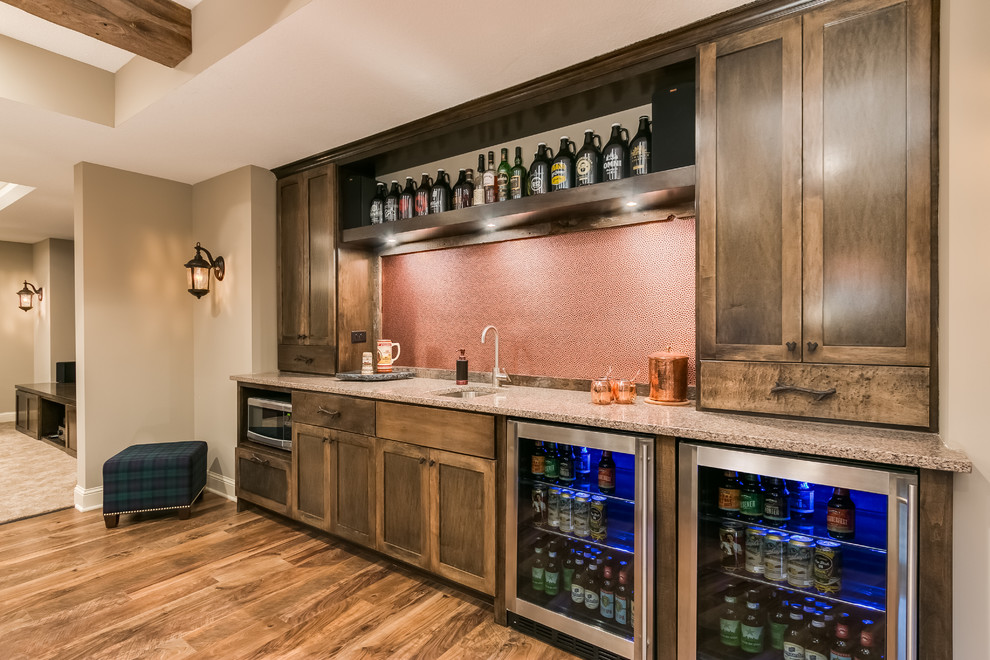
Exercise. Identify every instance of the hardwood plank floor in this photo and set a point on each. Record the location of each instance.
(226, 584)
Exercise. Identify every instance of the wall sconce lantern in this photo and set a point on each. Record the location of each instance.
(199, 271)
(26, 296)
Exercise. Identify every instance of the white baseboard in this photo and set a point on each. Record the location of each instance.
(8, 417)
(88, 499)
(221, 485)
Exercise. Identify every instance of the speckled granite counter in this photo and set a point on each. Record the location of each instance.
(892, 447)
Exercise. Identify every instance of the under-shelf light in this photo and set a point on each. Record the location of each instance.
(631, 204)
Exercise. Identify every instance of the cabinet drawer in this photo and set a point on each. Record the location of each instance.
(263, 477)
(449, 430)
(333, 411)
(306, 359)
(862, 393)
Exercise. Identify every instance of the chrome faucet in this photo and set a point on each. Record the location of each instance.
(498, 375)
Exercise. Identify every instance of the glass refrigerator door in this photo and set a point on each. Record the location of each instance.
(576, 564)
(794, 558)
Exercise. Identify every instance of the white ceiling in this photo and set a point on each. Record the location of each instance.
(329, 73)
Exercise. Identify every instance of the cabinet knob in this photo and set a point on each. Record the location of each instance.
(301, 336)
(422, 460)
(332, 413)
(432, 462)
(812, 346)
(791, 345)
(262, 461)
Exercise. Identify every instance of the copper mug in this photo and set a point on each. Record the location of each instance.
(601, 391)
(385, 357)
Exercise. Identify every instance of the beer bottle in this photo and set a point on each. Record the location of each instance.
(551, 467)
(615, 155)
(538, 460)
(776, 504)
(591, 586)
(407, 200)
(539, 567)
(517, 177)
(479, 182)
(463, 190)
(584, 463)
(728, 495)
(816, 647)
(751, 498)
(503, 175)
(840, 521)
(551, 573)
(606, 474)
(802, 504)
(568, 568)
(423, 195)
(562, 167)
(730, 618)
(578, 579)
(566, 467)
(622, 596)
(867, 642)
(794, 636)
(391, 212)
(843, 643)
(606, 593)
(539, 171)
(639, 148)
(377, 211)
(779, 620)
(491, 180)
(752, 629)
(588, 164)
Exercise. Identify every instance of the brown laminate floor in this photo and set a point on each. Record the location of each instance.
(226, 584)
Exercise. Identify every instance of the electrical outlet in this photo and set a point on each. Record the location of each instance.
(358, 336)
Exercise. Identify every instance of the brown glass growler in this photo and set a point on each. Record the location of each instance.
(377, 211)
(588, 164)
(440, 193)
(562, 167)
(615, 155)
(639, 148)
(407, 200)
(463, 190)
(539, 172)
(423, 195)
(391, 212)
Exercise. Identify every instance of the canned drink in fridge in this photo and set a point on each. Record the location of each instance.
(566, 511)
(580, 515)
(828, 567)
(731, 536)
(800, 561)
(540, 505)
(775, 556)
(553, 507)
(755, 538)
(598, 519)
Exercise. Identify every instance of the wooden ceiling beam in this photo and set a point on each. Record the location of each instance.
(159, 30)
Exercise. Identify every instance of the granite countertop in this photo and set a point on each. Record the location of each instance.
(861, 443)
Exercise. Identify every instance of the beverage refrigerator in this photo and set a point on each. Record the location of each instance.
(782, 557)
(579, 544)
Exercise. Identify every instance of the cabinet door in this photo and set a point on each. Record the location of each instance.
(749, 195)
(462, 519)
(867, 173)
(71, 438)
(263, 477)
(310, 453)
(352, 487)
(27, 414)
(403, 502)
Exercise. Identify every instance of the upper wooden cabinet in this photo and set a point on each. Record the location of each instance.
(814, 214)
(307, 310)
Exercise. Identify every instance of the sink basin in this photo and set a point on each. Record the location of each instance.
(467, 393)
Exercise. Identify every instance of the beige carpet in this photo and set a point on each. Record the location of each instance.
(34, 477)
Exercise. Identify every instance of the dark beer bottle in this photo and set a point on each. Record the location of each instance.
(578, 579)
(816, 646)
(503, 175)
(622, 596)
(728, 495)
(868, 649)
(639, 148)
(407, 200)
(463, 190)
(751, 498)
(840, 520)
(539, 172)
(377, 210)
(566, 467)
(591, 585)
(491, 180)
(779, 620)
(606, 474)
(517, 177)
(392, 202)
(843, 643)
(538, 460)
(606, 593)
(588, 164)
(752, 630)
(776, 504)
(440, 193)
(479, 182)
(562, 167)
(551, 468)
(794, 636)
(423, 195)
(730, 617)
(615, 155)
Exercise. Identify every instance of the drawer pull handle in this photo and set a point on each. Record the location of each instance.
(332, 413)
(422, 460)
(432, 462)
(791, 345)
(818, 394)
(307, 360)
(812, 346)
(262, 461)
(301, 336)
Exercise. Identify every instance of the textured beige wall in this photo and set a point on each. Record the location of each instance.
(134, 353)
(41, 271)
(16, 326)
(233, 215)
(55, 329)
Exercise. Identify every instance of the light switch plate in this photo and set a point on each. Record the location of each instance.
(359, 336)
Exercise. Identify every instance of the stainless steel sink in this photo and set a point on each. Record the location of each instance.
(467, 393)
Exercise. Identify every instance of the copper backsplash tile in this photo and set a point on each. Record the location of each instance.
(567, 306)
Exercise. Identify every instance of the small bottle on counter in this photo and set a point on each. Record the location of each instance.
(462, 368)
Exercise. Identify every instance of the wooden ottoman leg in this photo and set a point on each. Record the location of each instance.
(111, 521)
(185, 513)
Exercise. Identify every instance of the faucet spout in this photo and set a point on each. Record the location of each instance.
(498, 375)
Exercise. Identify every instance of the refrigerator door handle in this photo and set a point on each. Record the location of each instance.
(643, 530)
(910, 641)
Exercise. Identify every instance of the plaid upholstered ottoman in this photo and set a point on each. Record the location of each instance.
(156, 477)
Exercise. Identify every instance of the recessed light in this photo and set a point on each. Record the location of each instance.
(491, 225)
(390, 241)
(11, 192)
(631, 204)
